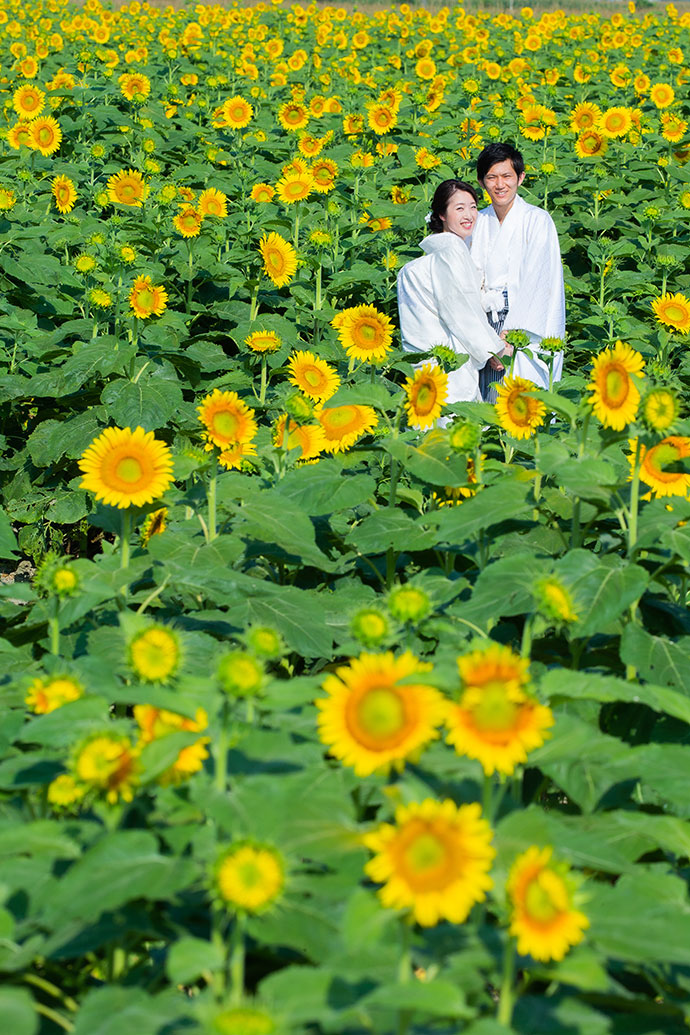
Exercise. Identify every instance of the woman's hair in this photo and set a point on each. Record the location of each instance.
(442, 195)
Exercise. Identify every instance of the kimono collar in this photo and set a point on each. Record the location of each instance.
(442, 242)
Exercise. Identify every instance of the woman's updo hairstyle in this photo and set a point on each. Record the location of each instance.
(442, 195)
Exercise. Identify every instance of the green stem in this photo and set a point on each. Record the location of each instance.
(505, 1002)
(317, 296)
(237, 959)
(54, 626)
(191, 276)
(52, 990)
(221, 751)
(218, 939)
(125, 533)
(526, 647)
(254, 306)
(53, 1016)
(634, 500)
(262, 390)
(211, 496)
(488, 797)
(405, 972)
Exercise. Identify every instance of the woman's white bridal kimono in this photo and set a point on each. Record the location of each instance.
(439, 304)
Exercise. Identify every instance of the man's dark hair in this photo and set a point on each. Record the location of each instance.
(494, 153)
(442, 195)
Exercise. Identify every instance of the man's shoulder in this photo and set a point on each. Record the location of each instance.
(535, 214)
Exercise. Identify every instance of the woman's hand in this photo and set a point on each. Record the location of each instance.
(495, 363)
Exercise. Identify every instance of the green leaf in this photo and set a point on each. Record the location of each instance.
(189, 958)
(603, 590)
(271, 518)
(8, 540)
(429, 462)
(562, 683)
(506, 501)
(438, 998)
(149, 402)
(656, 658)
(644, 918)
(17, 1011)
(325, 488)
(122, 1010)
(393, 528)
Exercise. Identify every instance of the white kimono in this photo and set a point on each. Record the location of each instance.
(439, 304)
(522, 255)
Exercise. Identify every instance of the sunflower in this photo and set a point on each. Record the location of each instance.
(496, 721)
(263, 341)
(19, 135)
(134, 85)
(45, 135)
(159, 722)
(313, 376)
(64, 192)
(147, 299)
(126, 468)
(28, 101)
(45, 695)
(154, 524)
(294, 187)
(673, 311)
(324, 172)
(662, 467)
(127, 187)
(614, 122)
(615, 395)
(310, 146)
(262, 193)
(518, 412)
(233, 458)
(154, 654)
(188, 222)
(381, 118)
(100, 298)
(309, 438)
(7, 199)
(554, 600)
(344, 425)
(227, 419)
(673, 128)
(364, 333)
(64, 791)
(241, 675)
(662, 95)
(250, 876)
(293, 116)
(213, 202)
(107, 764)
(426, 393)
(280, 259)
(374, 717)
(591, 144)
(660, 408)
(434, 861)
(237, 112)
(542, 895)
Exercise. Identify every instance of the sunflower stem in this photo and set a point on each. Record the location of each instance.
(634, 500)
(189, 280)
(526, 647)
(125, 533)
(237, 959)
(262, 389)
(221, 751)
(488, 798)
(54, 626)
(505, 1002)
(218, 940)
(254, 304)
(405, 972)
(211, 496)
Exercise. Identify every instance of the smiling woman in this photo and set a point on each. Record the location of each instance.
(438, 293)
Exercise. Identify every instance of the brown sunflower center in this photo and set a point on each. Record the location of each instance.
(616, 386)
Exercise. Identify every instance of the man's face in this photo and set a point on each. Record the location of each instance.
(501, 184)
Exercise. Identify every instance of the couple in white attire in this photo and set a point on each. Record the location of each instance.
(511, 280)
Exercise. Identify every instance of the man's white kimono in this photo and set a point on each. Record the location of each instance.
(522, 255)
(439, 304)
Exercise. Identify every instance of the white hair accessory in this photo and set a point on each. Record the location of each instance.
(427, 217)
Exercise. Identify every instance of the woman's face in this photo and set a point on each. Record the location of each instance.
(461, 214)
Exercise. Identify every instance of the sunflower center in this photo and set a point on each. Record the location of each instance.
(129, 469)
(276, 261)
(675, 313)
(616, 385)
(661, 457)
(425, 397)
(381, 715)
(225, 424)
(367, 334)
(494, 711)
(340, 418)
(145, 298)
(519, 409)
(127, 193)
(45, 135)
(249, 874)
(424, 853)
(313, 377)
(545, 898)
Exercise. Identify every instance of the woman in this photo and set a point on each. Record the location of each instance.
(438, 293)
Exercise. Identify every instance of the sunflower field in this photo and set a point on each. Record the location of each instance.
(320, 715)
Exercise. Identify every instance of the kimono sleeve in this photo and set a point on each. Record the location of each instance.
(457, 298)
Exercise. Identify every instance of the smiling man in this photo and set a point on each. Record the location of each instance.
(515, 247)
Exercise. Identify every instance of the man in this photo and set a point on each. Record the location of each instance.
(515, 247)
